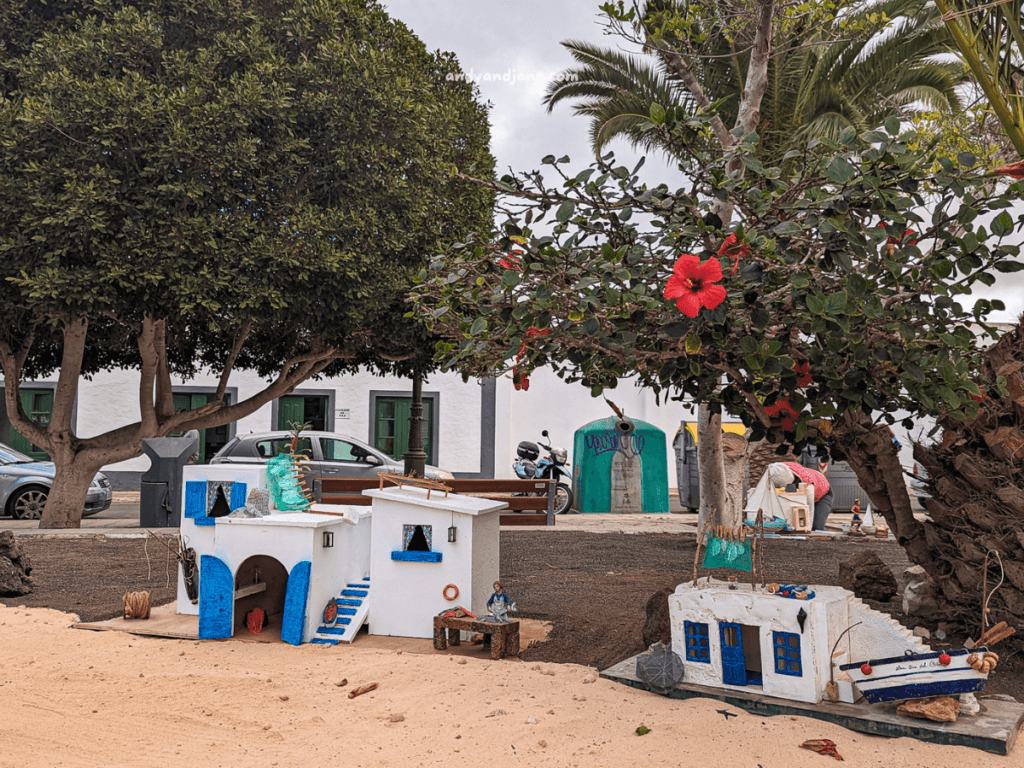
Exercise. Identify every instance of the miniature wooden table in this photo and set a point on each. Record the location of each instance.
(504, 637)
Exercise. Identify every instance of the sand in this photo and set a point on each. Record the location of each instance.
(79, 698)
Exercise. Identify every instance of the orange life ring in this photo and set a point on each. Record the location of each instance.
(454, 594)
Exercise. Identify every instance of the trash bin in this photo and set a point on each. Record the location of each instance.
(160, 496)
(618, 472)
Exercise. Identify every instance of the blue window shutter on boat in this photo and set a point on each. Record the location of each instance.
(238, 493)
(216, 598)
(294, 619)
(195, 499)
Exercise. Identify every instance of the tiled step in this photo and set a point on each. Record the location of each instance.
(354, 593)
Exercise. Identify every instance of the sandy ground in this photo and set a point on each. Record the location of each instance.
(79, 698)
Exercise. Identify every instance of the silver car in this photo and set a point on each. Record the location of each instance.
(331, 455)
(25, 484)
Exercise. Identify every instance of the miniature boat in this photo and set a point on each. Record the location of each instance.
(916, 676)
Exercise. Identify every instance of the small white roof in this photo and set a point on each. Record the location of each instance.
(284, 520)
(452, 502)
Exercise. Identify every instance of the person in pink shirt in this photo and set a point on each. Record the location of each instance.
(789, 472)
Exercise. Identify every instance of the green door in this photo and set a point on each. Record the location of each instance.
(391, 433)
(184, 401)
(291, 410)
(38, 406)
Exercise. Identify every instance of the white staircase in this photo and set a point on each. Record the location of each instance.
(353, 610)
(880, 634)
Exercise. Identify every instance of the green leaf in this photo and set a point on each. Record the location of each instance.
(657, 113)
(836, 303)
(892, 125)
(840, 171)
(478, 327)
(753, 164)
(1002, 225)
(565, 211)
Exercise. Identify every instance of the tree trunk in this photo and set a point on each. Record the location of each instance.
(66, 501)
(714, 500)
(976, 483)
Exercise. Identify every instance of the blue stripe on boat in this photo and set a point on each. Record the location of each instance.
(945, 688)
(927, 670)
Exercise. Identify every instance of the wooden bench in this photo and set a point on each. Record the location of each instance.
(527, 510)
(504, 637)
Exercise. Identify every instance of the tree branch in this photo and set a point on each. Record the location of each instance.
(229, 364)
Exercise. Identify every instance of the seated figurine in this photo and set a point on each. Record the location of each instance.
(498, 605)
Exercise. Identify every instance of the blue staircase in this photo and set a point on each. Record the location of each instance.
(353, 609)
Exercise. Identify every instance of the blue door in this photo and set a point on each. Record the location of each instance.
(734, 666)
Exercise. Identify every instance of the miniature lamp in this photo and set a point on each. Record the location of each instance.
(452, 533)
(328, 539)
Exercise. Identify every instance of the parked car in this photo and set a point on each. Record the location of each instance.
(25, 485)
(330, 455)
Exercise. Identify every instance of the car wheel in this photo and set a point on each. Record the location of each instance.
(28, 504)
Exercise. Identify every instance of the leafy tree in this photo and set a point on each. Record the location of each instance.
(217, 185)
(846, 298)
(826, 72)
(990, 38)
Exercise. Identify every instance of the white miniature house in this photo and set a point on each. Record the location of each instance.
(732, 636)
(290, 564)
(430, 551)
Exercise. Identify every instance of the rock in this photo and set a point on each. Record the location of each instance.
(920, 597)
(867, 577)
(657, 628)
(589, 678)
(922, 632)
(15, 566)
(941, 709)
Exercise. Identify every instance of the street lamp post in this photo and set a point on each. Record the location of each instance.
(415, 457)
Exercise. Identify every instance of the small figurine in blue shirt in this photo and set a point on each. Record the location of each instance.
(499, 604)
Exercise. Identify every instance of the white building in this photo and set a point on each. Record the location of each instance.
(471, 428)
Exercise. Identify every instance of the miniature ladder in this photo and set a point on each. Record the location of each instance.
(353, 609)
(918, 645)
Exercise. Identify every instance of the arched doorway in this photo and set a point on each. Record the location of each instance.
(255, 570)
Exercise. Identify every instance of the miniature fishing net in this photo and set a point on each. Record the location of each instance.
(723, 553)
(283, 487)
(659, 669)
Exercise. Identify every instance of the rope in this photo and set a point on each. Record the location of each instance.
(984, 582)
(136, 605)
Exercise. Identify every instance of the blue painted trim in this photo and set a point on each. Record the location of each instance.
(323, 641)
(330, 631)
(353, 593)
(216, 598)
(949, 688)
(782, 651)
(205, 522)
(238, 493)
(358, 586)
(346, 612)
(699, 650)
(346, 601)
(929, 670)
(415, 557)
(195, 499)
(293, 620)
(912, 657)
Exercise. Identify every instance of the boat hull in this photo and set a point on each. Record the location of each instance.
(917, 676)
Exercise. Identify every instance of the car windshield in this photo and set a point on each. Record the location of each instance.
(10, 456)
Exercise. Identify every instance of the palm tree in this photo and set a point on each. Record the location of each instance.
(820, 83)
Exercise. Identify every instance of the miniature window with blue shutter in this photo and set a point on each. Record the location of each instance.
(697, 648)
(787, 653)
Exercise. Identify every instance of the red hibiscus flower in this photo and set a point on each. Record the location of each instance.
(803, 374)
(692, 284)
(1013, 170)
(735, 250)
(520, 380)
(511, 261)
(783, 412)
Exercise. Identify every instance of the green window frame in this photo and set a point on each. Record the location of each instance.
(391, 427)
(211, 439)
(303, 409)
(38, 406)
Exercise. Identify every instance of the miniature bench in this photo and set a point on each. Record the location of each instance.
(504, 637)
(348, 490)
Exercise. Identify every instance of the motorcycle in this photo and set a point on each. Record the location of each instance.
(551, 467)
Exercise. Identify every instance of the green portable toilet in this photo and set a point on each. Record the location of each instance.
(613, 472)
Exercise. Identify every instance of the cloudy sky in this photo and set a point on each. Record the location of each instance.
(511, 49)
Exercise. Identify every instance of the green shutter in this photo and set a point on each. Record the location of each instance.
(391, 426)
(290, 410)
(38, 406)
